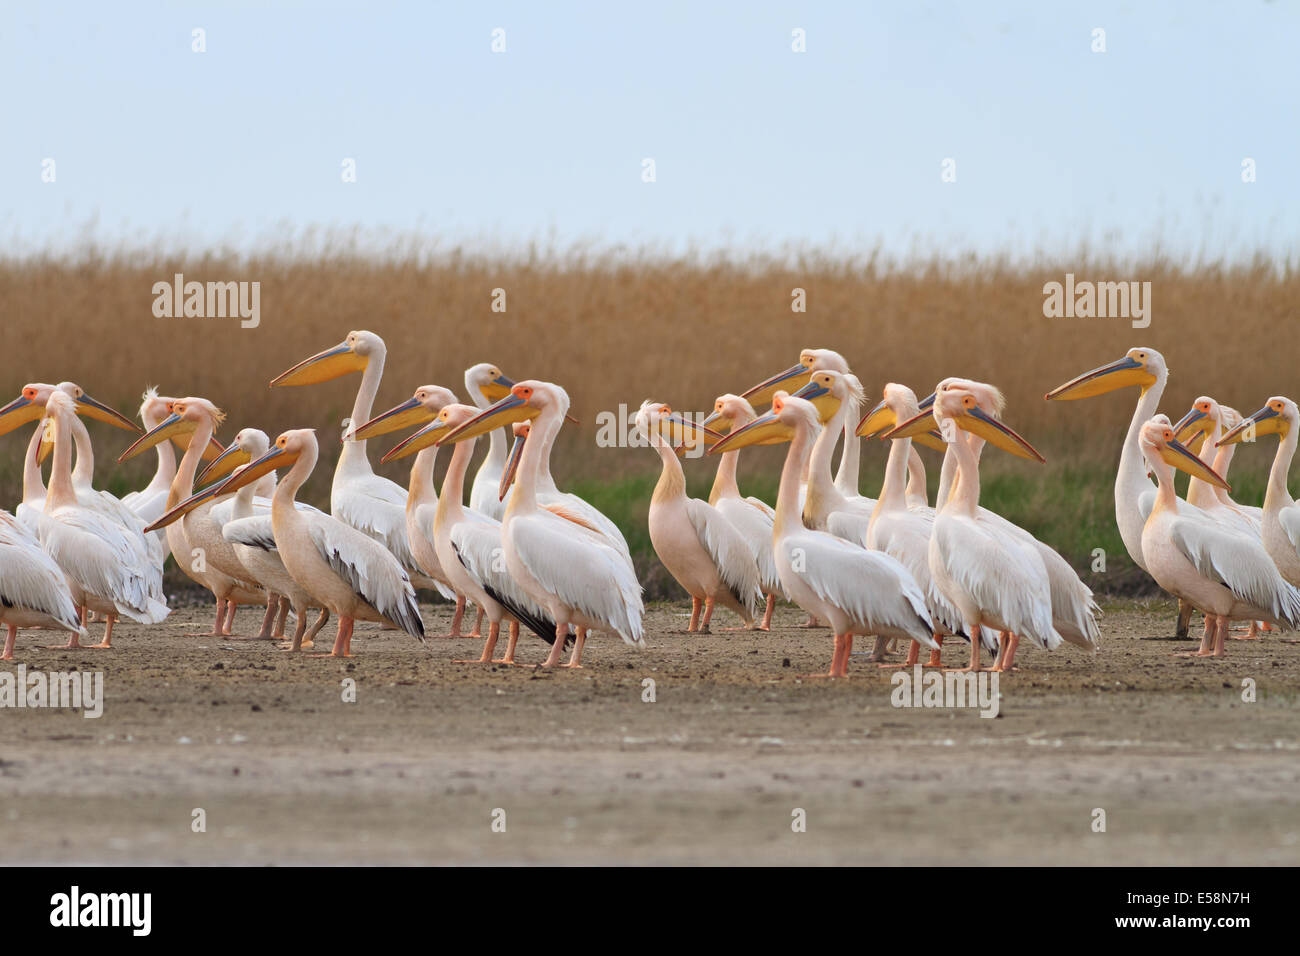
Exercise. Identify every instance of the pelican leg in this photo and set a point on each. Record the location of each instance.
(490, 645)
(811, 622)
(107, 643)
(281, 617)
(10, 637)
(228, 627)
(216, 624)
(935, 654)
(913, 654)
(511, 641)
(74, 640)
(575, 659)
(456, 618)
(1220, 637)
(1184, 618)
(299, 629)
(1252, 633)
(561, 635)
(878, 650)
(310, 639)
(766, 625)
(695, 615)
(478, 626)
(1207, 639)
(1009, 655)
(343, 641)
(974, 665)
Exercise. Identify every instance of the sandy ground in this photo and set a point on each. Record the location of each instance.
(417, 768)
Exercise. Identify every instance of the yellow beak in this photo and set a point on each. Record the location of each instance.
(497, 389)
(23, 410)
(977, 422)
(169, 427)
(226, 462)
(1177, 454)
(275, 458)
(766, 429)
(791, 379)
(323, 366)
(916, 426)
(1107, 378)
(1263, 422)
(512, 465)
(185, 507)
(431, 434)
(505, 412)
(406, 415)
(1194, 423)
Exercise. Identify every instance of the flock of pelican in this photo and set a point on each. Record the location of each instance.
(529, 556)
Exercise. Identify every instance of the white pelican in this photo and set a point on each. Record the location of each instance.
(1281, 523)
(1134, 495)
(196, 540)
(346, 571)
(468, 542)
(752, 517)
(108, 566)
(995, 578)
(33, 589)
(701, 549)
(901, 527)
(421, 496)
(1207, 418)
(486, 384)
(358, 497)
(575, 573)
(857, 591)
(826, 508)
(1227, 576)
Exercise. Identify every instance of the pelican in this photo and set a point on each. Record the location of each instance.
(1281, 522)
(358, 497)
(701, 549)
(468, 542)
(995, 578)
(1206, 418)
(1134, 496)
(575, 573)
(421, 496)
(1227, 576)
(109, 566)
(196, 541)
(33, 589)
(486, 384)
(346, 571)
(750, 516)
(901, 527)
(826, 507)
(855, 590)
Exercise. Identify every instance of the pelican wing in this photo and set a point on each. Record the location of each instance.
(30, 579)
(254, 531)
(373, 574)
(1240, 564)
(755, 526)
(106, 560)
(850, 524)
(762, 506)
(583, 573)
(477, 544)
(376, 507)
(870, 586)
(1290, 519)
(728, 551)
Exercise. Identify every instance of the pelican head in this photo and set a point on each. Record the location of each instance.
(1278, 416)
(810, 360)
(449, 418)
(353, 354)
(1142, 367)
(971, 410)
(729, 411)
(827, 389)
(289, 447)
(898, 405)
(1159, 442)
(656, 418)
(487, 380)
(184, 419)
(526, 401)
(31, 401)
(1201, 419)
(249, 444)
(789, 414)
(420, 409)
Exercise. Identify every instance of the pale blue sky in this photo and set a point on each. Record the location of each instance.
(755, 146)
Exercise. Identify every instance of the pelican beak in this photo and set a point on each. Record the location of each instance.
(92, 408)
(1107, 378)
(684, 434)
(406, 415)
(978, 422)
(821, 398)
(507, 411)
(918, 425)
(497, 389)
(1195, 422)
(766, 429)
(230, 458)
(1264, 422)
(763, 393)
(716, 418)
(323, 366)
(275, 458)
(877, 420)
(19, 412)
(430, 434)
(512, 465)
(185, 507)
(931, 439)
(1176, 453)
(170, 426)
(46, 444)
